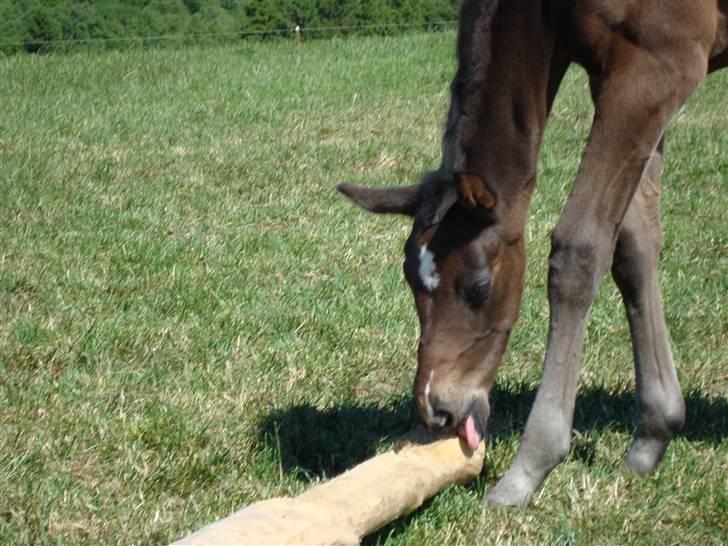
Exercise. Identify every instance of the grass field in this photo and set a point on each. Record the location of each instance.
(192, 320)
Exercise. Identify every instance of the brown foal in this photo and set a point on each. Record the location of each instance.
(465, 257)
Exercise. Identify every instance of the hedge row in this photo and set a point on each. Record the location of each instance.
(60, 25)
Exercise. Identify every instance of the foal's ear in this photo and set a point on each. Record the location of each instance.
(402, 200)
(474, 194)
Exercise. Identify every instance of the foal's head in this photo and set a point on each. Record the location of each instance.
(466, 273)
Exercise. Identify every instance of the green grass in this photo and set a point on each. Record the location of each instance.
(192, 320)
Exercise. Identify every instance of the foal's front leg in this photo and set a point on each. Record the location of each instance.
(633, 106)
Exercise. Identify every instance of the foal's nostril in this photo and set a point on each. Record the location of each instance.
(443, 419)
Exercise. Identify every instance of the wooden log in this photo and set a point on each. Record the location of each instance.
(352, 505)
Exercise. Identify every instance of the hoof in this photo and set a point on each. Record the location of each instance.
(510, 491)
(643, 456)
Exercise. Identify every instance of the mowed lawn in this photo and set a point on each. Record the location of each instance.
(191, 319)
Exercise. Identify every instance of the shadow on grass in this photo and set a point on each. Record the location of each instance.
(315, 443)
(324, 443)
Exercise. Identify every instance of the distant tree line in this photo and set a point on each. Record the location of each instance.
(59, 25)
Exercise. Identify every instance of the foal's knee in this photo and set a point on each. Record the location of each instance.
(576, 266)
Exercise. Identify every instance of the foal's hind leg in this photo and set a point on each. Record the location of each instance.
(660, 406)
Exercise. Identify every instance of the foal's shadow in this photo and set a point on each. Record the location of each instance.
(314, 443)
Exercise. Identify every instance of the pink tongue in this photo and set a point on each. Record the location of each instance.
(469, 433)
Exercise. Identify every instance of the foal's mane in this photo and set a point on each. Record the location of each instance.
(474, 56)
(473, 47)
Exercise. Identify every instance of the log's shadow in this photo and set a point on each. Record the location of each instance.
(322, 443)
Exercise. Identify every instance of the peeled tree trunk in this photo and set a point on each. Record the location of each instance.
(354, 504)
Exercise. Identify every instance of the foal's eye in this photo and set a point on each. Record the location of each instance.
(478, 293)
(476, 290)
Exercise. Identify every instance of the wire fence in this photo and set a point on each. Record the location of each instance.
(301, 31)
